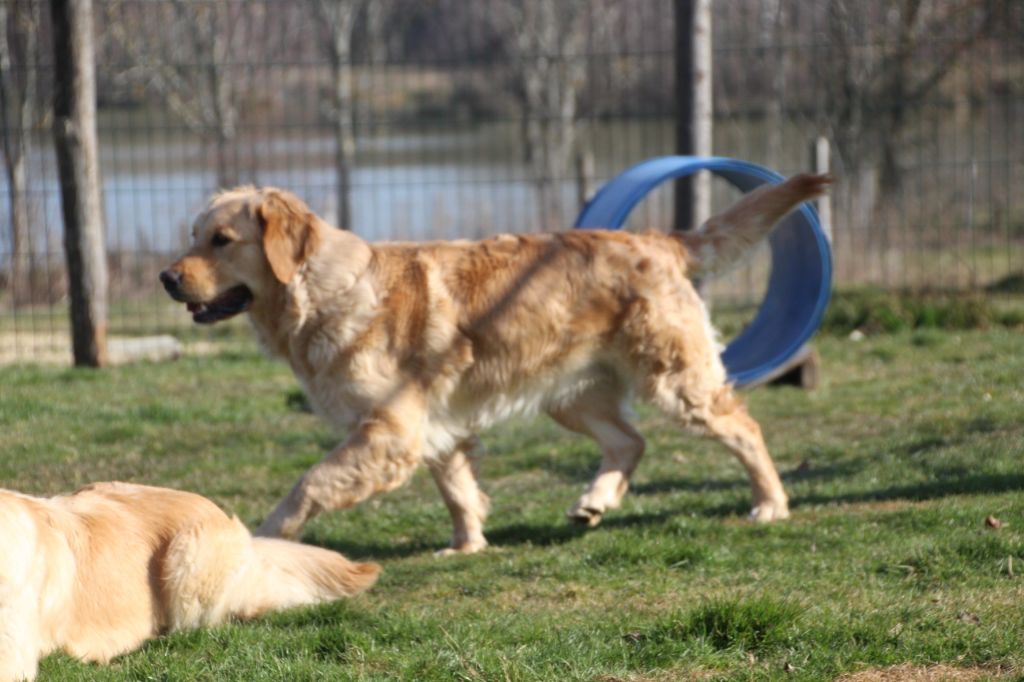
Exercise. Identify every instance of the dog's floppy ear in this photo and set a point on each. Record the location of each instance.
(290, 232)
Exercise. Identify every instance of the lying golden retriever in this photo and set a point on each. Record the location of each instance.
(416, 347)
(98, 572)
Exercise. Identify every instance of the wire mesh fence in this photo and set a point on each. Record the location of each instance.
(423, 119)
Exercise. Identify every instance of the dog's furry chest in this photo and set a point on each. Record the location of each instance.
(467, 410)
(469, 372)
(338, 399)
(480, 396)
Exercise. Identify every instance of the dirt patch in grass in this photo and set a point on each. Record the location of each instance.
(912, 673)
(662, 676)
(886, 505)
(815, 513)
(54, 348)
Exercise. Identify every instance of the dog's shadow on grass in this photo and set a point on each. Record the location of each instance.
(698, 485)
(555, 531)
(380, 551)
(561, 531)
(552, 532)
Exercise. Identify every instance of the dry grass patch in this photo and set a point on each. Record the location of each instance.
(912, 673)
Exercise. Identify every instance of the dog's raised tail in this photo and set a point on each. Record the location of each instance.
(725, 238)
(217, 570)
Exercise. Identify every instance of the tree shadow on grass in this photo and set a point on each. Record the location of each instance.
(740, 482)
(931, 490)
(948, 482)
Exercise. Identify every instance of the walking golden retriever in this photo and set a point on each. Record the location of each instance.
(98, 572)
(414, 348)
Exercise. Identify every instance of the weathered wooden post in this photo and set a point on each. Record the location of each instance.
(584, 177)
(804, 368)
(821, 163)
(693, 108)
(74, 127)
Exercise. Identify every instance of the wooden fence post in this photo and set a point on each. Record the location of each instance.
(820, 162)
(804, 368)
(74, 127)
(694, 108)
(584, 177)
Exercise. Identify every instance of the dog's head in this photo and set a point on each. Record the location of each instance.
(246, 244)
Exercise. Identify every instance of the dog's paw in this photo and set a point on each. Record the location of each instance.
(585, 516)
(770, 510)
(468, 547)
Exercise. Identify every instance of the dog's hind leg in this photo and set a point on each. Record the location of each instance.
(727, 420)
(456, 477)
(600, 413)
(720, 414)
(681, 372)
(379, 455)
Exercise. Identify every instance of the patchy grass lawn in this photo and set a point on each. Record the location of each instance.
(886, 570)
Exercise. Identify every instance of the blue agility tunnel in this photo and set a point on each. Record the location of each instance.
(801, 276)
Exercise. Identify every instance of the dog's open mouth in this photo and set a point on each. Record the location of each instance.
(233, 301)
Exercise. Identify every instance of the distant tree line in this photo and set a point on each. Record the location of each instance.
(856, 69)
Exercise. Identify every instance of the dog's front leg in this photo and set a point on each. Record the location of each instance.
(20, 647)
(380, 455)
(456, 476)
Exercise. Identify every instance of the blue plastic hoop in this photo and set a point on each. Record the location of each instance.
(801, 278)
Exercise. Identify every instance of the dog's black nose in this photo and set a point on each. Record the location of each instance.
(171, 280)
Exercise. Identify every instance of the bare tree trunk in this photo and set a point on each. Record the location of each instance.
(532, 76)
(214, 25)
(774, 61)
(20, 244)
(227, 169)
(17, 103)
(871, 85)
(376, 31)
(77, 158)
(224, 108)
(207, 99)
(345, 145)
(694, 109)
(339, 16)
(550, 36)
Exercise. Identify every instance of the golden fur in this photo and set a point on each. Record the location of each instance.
(98, 572)
(416, 347)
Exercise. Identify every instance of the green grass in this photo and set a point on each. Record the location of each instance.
(892, 466)
(146, 314)
(876, 310)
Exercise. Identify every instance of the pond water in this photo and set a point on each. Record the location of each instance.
(449, 179)
(412, 186)
(464, 182)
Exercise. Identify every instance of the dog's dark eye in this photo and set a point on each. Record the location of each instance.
(220, 239)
